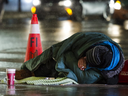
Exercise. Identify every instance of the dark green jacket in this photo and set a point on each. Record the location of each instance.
(67, 53)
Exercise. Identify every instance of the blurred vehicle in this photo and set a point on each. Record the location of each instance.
(58, 8)
(102, 8)
(74, 9)
(121, 11)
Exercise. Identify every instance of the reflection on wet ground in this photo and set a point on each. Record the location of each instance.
(13, 39)
(68, 90)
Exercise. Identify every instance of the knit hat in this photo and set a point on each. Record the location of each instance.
(99, 56)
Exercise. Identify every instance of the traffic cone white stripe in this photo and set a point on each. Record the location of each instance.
(35, 28)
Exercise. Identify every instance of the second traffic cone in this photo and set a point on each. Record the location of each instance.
(34, 46)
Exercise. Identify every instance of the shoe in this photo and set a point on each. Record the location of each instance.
(21, 74)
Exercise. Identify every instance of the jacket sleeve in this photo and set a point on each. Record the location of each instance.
(68, 63)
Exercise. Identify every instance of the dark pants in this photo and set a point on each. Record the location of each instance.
(46, 70)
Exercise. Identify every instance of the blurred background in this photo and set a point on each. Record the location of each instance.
(115, 11)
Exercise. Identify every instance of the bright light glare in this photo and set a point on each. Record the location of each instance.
(66, 3)
(66, 29)
(117, 40)
(36, 2)
(33, 9)
(117, 5)
(114, 30)
(69, 11)
(28, 1)
(126, 24)
(111, 4)
(66, 26)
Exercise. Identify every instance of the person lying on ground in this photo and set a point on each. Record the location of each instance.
(86, 57)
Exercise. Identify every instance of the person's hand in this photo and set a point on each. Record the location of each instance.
(82, 63)
(21, 74)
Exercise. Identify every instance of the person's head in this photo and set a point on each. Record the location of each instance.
(99, 56)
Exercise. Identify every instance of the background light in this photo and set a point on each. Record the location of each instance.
(117, 5)
(69, 11)
(36, 2)
(33, 9)
(66, 3)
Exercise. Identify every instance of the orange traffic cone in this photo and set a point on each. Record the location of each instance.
(34, 47)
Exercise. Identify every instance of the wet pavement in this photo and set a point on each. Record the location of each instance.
(79, 90)
(13, 39)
